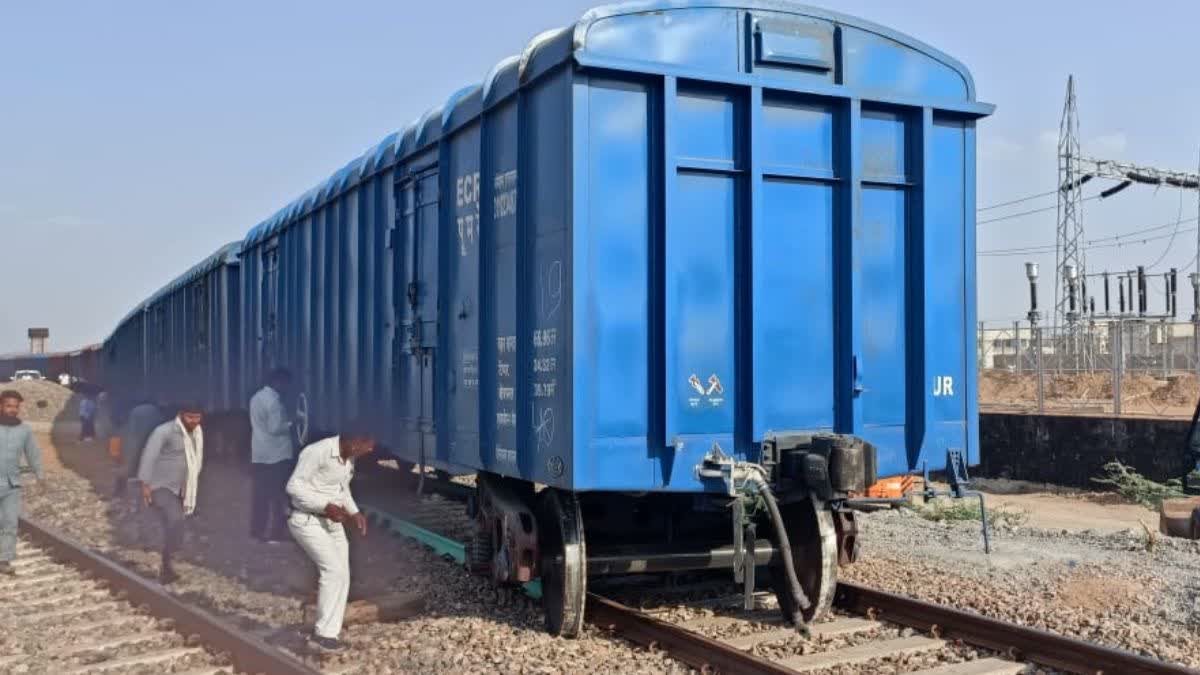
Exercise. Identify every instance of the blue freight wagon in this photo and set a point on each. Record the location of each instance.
(181, 344)
(122, 361)
(703, 269)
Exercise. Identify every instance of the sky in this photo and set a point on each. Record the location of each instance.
(137, 137)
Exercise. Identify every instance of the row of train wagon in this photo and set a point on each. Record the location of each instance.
(669, 259)
(81, 364)
(761, 219)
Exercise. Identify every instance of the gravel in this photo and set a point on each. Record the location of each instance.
(1101, 587)
(263, 587)
(1104, 588)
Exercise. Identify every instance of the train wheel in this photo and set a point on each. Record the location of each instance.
(564, 562)
(811, 532)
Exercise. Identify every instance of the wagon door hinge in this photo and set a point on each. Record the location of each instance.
(412, 294)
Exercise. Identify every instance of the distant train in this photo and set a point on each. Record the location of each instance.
(81, 364)
(675, 283)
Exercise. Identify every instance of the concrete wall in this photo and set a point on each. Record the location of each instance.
(1070, 450)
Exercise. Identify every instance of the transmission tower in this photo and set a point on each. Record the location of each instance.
(1070, 264)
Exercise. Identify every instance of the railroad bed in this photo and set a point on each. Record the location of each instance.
(870, 631)
(70, 611)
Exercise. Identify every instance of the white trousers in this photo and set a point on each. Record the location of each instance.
(325, 543)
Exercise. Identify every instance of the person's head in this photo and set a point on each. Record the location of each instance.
(191, 414)
(279, 379)
(10, 403)
(356, 439)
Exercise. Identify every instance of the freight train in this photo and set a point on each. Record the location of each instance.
(674, 283)
(81, 364)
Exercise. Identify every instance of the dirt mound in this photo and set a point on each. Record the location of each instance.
(1079, 386)
(1180, 390)
(1002, 385)
(45, 400)
(1093, 593)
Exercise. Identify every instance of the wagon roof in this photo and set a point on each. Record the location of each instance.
(544, 52)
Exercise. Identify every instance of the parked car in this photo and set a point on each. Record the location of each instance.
(27, 375)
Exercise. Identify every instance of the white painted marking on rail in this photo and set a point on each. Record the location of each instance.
(108, 643)
(830, 629)
(723, 621)
(139, 660)
(70, 611)
(37, 580)
(62, 598)
(862, 653)
(977, 667)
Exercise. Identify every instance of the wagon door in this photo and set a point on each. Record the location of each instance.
(270, 301)
(416, 305)
(880, 300)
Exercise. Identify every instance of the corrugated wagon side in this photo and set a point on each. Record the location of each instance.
(702, 269)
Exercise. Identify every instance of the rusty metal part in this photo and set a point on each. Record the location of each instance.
(1177, 517)
(248, 653)
(846, 525)
(694, 649)
(513, 531)
(1019, 642)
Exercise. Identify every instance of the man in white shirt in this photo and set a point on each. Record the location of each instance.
(270, 456)
(321, 501)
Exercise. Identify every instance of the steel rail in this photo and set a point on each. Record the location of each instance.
(249, 654)
(693, 649)
(1015, 641)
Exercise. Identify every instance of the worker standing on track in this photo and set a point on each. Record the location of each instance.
(16, 439)
(321, 501)
(271, 457)
(87, 419)
(170, 475)
(139, 423)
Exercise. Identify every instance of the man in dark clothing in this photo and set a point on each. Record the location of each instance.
(272, 457)
(170, 474)
(87, 418)
(140, 421)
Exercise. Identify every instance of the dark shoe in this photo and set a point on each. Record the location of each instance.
(7, 569)
(327, 644)
(167, 576)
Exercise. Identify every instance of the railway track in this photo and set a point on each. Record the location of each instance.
(71, 611)
(872, 631)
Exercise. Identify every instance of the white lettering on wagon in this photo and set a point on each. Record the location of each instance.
(466, 193)
(943, 385)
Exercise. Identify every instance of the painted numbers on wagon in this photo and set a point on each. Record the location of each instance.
(504, 194)
(466, 192)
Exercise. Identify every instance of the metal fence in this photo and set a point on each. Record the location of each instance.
(1126, 366)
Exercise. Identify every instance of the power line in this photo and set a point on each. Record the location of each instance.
(1098, 240)
(1030, 212)
(1178, 220)
(1017, 201)
(1050, 249)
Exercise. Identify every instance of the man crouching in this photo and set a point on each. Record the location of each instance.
(319, 490)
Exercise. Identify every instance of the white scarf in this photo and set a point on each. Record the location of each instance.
(193, 450)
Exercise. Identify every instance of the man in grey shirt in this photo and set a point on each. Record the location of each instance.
(169, 471)
(16, 439)
(140, 421)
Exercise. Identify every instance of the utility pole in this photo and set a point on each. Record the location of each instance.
(1070, 259)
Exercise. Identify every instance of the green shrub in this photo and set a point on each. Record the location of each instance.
(945, 509)
(1137, 488)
